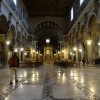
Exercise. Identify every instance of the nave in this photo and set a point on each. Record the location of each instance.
(49, 82)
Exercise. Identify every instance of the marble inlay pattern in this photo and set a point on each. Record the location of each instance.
(70, 99)
(9, 90)
(84, 89)
(31, 83)
(50, 83)
(47, 88)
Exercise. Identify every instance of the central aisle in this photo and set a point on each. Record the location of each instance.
(48, 82)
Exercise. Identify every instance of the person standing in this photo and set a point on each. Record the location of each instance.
(93, 62)
(14, 64)
(84, 62)
(2, 59)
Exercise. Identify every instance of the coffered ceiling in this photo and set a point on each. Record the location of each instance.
(37, 8)
(47, 19)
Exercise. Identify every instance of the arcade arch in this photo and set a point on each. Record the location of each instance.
(4, 26)
(94, 33)
(11, 37)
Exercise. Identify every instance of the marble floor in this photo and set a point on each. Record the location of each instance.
(49, 82)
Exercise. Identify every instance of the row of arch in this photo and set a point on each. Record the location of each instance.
(13, 33)
(47, 24)
(87, 30)
(55, 23)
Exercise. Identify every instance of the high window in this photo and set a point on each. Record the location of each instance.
(15, 1)
(72, 13)
(81, 1)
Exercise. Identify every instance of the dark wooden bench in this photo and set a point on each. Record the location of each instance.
(72, 64)
(30, 64)
(26, 64)
(57, 63)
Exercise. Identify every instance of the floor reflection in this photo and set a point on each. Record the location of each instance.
(54, 83)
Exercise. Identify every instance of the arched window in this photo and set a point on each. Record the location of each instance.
(72, 13)
(81, 1)
(15, 2)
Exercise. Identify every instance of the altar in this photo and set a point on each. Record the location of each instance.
(48, 54)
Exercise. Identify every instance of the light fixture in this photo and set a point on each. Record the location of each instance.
(58, 52)
(33, 50)
(74, 48)
(89, 42)
(15, 49)
(47, 40)
(99, 43)
(37, 52)
(62, 51)
(25, 53)
(71, 53)
(80, 50)
(21, 49)
(7, 42)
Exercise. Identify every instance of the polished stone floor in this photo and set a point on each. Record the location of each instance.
(49, 82)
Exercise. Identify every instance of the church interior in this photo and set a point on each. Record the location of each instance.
(57, 43)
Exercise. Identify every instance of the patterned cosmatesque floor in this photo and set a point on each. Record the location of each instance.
(49, 82)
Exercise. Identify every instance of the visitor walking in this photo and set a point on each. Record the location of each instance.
(14, 64)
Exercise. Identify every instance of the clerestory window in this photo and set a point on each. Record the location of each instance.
(72, 13)
(81, 1)
(15, 2)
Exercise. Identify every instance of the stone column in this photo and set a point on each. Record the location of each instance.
(66, 51)
(89, 52)
(89, 48)
(99, 50)
(6, 51)
(19, 54)
(77, 57)
(99, 39)
(35, 43)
